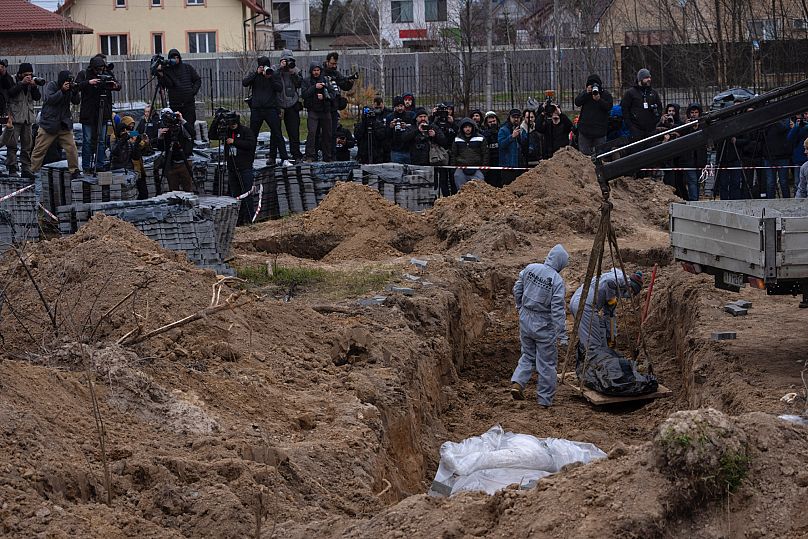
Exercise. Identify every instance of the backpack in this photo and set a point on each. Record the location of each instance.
(438, 155)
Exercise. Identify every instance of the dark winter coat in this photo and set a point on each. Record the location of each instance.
(556, 136)
(182, 146)
(344, 150)
(380, 135)
(56, 116)
(310, 93)
(91, 94)
(241, 153)
(182, 83)
(20, 102)
(642, 109)
(418, 142)
(343, 83)
(289, 96)
(406, 120)
(492, 143)
(593, 121)
(6, 82)
(796, 136)
(470, 150)
(775, 141)
(265, 89)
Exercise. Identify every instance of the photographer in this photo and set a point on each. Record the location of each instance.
(419, 136)
(556, 129)
(443, 119)
(398, 121)
(343, 84)
(641, 107)
(532, 140)
(593, 121)
(345, 141)
(694, 159)
(127, 152)
(21, 97)
(92, 83)
(318, 101)
(509, 139)
(468, 149)
(264, 106)
(177, 145)
(373, 135)
(182, 83)
(56, 123)
(239, 147)
(675, 178)
(289, 100)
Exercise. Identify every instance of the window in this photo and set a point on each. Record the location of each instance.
(435, 10)
(799, 24)
(401, 11)
(280, 13)
(195, 2)
(156, 3)
(157, 43)
(201, 41)
(120, 3)
(114, 45)
(765, 29)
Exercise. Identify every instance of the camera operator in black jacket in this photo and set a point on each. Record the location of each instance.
(419, 137)
(266, 85)
(398, 121)
(443, 119)
(345, 141)
(173, 138)
(239, 147)
(94, 81)
(373, 136)
(593, 122)
(318, 101)
(343, 84)
(182, 83)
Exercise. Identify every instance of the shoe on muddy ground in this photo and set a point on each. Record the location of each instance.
(517, 393)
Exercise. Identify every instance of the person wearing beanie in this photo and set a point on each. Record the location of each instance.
(289, 101)
(477, 117)
(642, 107)
(593, 121)
(56, 123)
(21, 97)
(420, 136)
(182, 83)
(93, 142)
(398, 122)
(372, 135)
(490, 132)
(510, 137)
(695, 159)
(319, 103)
(265, 84)
(468, 149)
(409, 102)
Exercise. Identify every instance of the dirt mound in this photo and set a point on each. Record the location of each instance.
(353, 220)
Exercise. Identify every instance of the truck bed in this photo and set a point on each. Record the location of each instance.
(767, 239)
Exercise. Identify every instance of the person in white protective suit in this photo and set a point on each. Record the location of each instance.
(598, 321)
(540, 295)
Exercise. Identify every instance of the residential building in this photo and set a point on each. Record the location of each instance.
(132, 27)
(292, 24)
(28, 30)
(414, 23)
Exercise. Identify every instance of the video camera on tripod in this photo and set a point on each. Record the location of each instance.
(107, 80)
(157, 61)
(222, 120)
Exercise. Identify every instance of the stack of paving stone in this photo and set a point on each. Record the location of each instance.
(201, 227)
(409, 186)
(18, 214)
(106, 187)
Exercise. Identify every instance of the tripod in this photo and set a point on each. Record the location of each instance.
(99, 138)
(169, 141)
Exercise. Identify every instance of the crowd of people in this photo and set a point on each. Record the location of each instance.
(479, 146)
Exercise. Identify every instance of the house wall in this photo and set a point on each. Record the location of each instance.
(28, 44)
(138, 20)
(391, 32)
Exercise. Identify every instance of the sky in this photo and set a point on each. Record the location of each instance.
(47, 4)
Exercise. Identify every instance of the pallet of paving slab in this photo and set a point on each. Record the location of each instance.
(600, 399)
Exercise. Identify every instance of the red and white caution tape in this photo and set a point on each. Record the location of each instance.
(48, 213)
(15, 193)
(481, 167)
(682, 169)
(260, 196)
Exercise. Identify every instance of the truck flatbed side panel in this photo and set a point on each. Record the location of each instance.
(714, 216)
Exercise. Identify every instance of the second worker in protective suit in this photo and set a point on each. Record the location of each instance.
(540, 295)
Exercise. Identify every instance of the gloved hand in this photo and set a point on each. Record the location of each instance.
(611, 307)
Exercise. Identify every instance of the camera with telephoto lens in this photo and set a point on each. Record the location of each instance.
(549, 104)
(157, 61)
(369, 114)
(441, 114)
(108, 81)
(222, 120)
(595, 89)
(170, 120)
(3, 121)
(354, 76)
(290, 63)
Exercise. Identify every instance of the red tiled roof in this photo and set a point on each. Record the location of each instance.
(252, 5)
(23, 16)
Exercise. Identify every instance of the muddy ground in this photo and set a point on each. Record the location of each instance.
(301, 413)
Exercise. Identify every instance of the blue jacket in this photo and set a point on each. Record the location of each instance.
(508, 146)
(796, 137)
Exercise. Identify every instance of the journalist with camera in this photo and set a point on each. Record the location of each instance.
(128, 150)
(339, 84)
(420, 136)
(21, 96)
(318, 100)
(372, 135)
(239, 151)
(443, 119)
(289, 100)
(266, 85)
(56, 122)
(177, 145)
(642, 107)
(96, 84)
(398, 122)
(593, 121)
(182, 83)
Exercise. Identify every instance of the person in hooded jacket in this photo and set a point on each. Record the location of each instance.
(91, 88)
(266, 85)
(319, 103)
(372, 135)
(468, 149)
(556, 129)
(56, 123)
(539, 293)
(490, 132)
(20, 104)
(289, 100)
(593, 121)
(182, 83)
(641, 107)
(345, 141)
(239, 147)
(598, 319)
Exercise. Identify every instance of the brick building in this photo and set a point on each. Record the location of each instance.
(29, 30)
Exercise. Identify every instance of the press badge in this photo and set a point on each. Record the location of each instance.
(645, 105)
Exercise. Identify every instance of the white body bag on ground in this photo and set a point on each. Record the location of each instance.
(496, 459)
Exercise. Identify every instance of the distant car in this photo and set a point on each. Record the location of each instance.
(727, 98)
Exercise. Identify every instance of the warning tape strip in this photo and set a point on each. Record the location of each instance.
(48, 213)
(15, 193)
(260, 197)
(678, 169)
(480, 167)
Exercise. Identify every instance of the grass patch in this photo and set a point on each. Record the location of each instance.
(326, 283)
(734, 468)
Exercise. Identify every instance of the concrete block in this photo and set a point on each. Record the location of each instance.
(470, 258)
(420, 264)
(401, 290)
(369, 302)
(734, 310)
(411, 277)
(104, 178)
(744, 304)
(723, 335)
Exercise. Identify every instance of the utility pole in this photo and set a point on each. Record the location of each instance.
(557, 51)
(489, 70)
